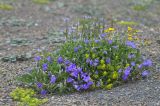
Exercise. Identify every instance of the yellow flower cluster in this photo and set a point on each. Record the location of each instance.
(110, 30)
(130, 37)
(132, 34)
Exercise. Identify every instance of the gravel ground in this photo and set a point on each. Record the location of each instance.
(33, 22)
(143, 93)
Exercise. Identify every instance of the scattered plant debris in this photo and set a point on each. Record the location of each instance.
(15, 58)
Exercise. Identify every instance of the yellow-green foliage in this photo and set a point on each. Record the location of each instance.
(6, 7)
(109, 86)
(127, 23)
(139, 7)
(25, 97)
(41, 1)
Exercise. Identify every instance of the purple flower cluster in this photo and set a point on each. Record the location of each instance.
(115, 47)
(126, 73)
(37, 58)
(42, 92)
(133, 63)
(49, 59)
(79, 79)
(108, 60)
(60, 60)
(86, 41)
(131, 44)
(146, 63)
(52, 79)
(120, 70)
(96, 41)
(94, 62)
(110, 41)
(103, 35)
(130, 56)
(44, 67)
(77, 48)
(67, 62)
(145, 73)
(39, 85)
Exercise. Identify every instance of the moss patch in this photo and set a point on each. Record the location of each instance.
(41, 1)
(6, 7)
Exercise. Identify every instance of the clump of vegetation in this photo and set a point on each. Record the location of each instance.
(6, 7)
(26, 97)
(128, 23)
(93, 56)
(15, 58)
(41, 1)
(141, 5)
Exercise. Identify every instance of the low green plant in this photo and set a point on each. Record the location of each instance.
(127, 23)
(26, 97)
(41, 1)
(6, 7)
(141, 5)
(92, 56)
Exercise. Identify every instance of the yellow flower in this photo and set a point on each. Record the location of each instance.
(130, 29)
(130, 38)
(109, 29)
(109, 86)
(129, 35)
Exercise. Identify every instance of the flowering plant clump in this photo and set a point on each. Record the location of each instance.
(93, 56)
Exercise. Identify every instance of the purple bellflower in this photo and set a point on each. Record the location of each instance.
(43, 92)
(60, 60)
(37, 58)
(145, 73)
(52, 79)
(131, 44)
(39, 85)
(44, 67)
